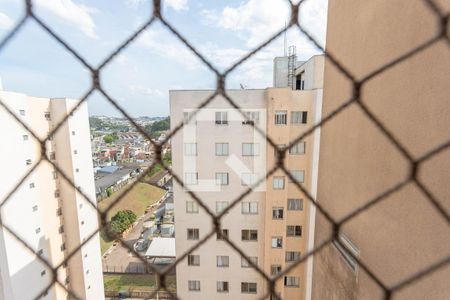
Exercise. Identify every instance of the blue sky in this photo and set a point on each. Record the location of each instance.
(140, 77)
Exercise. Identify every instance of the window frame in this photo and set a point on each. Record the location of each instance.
(278, 178)
(221, 147)
(280, 115)
(223, 118)
(294, 200)
(188, 146)
(246, 235)
(193, 234)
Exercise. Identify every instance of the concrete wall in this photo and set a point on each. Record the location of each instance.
(280, 71)
(403, 234)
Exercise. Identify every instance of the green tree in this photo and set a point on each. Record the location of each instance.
(108, 139)
(122, 220)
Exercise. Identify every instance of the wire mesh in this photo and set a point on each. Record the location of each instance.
(357, 85)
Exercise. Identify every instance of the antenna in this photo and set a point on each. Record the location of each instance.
(285, 39)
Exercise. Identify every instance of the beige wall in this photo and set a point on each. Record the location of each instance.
(403, 234)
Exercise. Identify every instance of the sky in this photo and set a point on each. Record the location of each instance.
(140, 77)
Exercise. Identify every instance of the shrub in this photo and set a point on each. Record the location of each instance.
(122, 220)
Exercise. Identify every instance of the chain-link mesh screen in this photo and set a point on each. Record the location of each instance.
(157, 16)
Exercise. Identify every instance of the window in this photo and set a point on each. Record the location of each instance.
(57, 194)
(245, 264)
(35, 208)
(248, 287)
(63, 247)
(300, 82)
(32, 185)
(190, 149)
(294, 230)
(249, 235)
(194, 285)
(278, 182)
(82, 222)
(221, 206)
(299, 117)
(223, 233)
(222, 149)
(292, 256)
(87, 271)
(67, 280)
(299, 175)
(52, 155)
(249, 208)
(295, 204)
(252, 116)
(275, 269)
(38, 230)
(28, 162)
(47, 116)
(187, 115)
(59, 212)
(277, 213)
(222, 178)
(222, 261)
(25, 137)
(43, 273)
(346, 248)
(75, 152)
(277, 242)
(248, 178)
(281, 117)
(61, 229)
(298, 148)
(191, 207)
(193, 260)
(190, 178)
(77, 170)
(222, 286)
(250, 149)
(221, 118)
(192, 233)
(73, 132)
(55, 174)
(22, 112)
(291, 281)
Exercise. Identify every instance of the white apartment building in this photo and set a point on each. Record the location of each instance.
(45, 211)
(218, 154)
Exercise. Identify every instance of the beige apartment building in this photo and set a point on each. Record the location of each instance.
(218, 154)
(45, 211)
(404, 234)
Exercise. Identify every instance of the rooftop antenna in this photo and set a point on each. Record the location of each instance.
(285, 39)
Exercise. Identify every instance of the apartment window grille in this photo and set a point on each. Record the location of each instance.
(222, 286)
(252, 117)
(248, 179)
(25, 137)
(22, 112)
(250, 149)
(277, 242)
(32, 185)
(191, 207)
(35, 208)
(57, 194)
(190, 149)
(249, 208)
(292, 256)
(38, 230)
(277, 213)
(294, 230)
(248, 287)
(346, 248)
(299, 175)
(298, 148)
(222, 149)
(299, 117)
(222, 261)
(281, 117)
(221, 206)
(47, 116)
(52, 155)
(222, 178)
(193, 234)
(221, 118)
(278, 182)
(275, 269)
(249, 235)
(194, 285)
(28, 162)
(193, 260)
(245, 263)
(222, 234)
(191, 178)
(291, 281)
(295, 204)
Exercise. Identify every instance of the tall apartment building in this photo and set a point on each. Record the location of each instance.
(219, 154)
(45, 211)
(404, 234)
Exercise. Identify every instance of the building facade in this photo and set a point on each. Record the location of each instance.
(45, 211)
(403, 234)
(219, 155)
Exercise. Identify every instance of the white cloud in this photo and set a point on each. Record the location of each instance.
(5, 21)
(73, 14)
(177, 4)
(146, 91)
